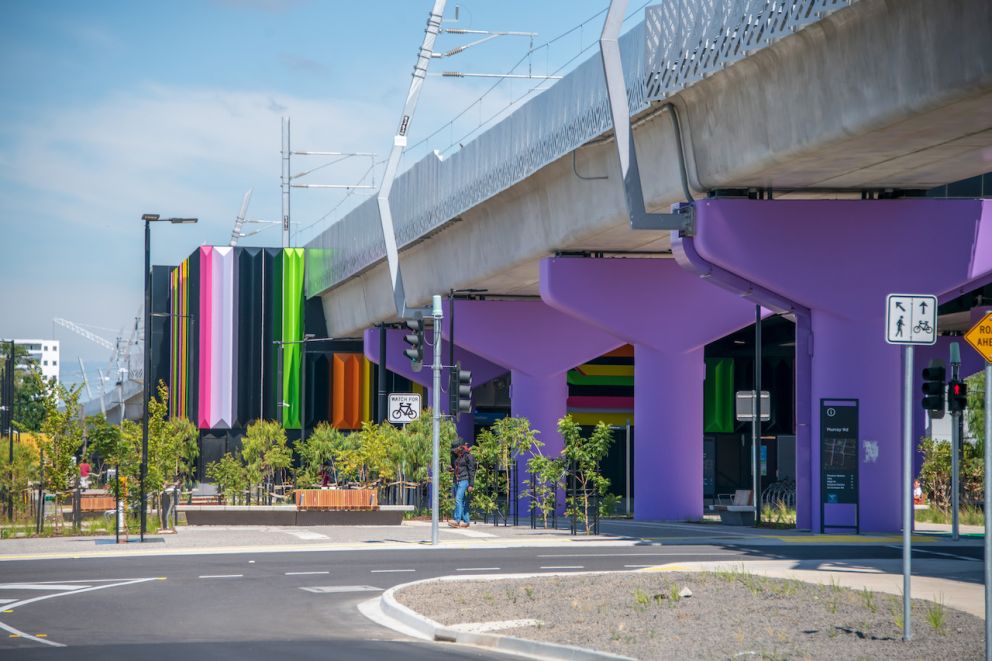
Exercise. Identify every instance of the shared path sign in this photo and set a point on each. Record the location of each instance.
(980, 337)
(910, 319)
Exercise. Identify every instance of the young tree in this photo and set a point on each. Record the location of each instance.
(264, 451)
(62, 436)
(230, 476)
(583, 456)
(371, 460)
(547, 476)
(319, 450)
(417, 452)
(17, 477)
(497, 449)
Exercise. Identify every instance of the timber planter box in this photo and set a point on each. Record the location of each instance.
(337, 499)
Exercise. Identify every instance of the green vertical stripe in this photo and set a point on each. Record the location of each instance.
(718, 396)
(292, 309)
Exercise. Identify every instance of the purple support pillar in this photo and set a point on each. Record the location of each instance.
(669, 316)
(538, 345)
(483, 371)
(840, 259)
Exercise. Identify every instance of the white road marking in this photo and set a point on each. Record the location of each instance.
(7, 601)
(25, 602)
(222, 576)
(305, 534)
(305, 573)
(469, 533)
(389, 571)
(624, 555)
(342, 588)
(41, 586)
(477, 569)
(946, 555)
(564, 567)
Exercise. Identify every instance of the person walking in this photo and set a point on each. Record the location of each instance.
(464, 468)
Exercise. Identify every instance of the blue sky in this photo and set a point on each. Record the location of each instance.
(111, 109)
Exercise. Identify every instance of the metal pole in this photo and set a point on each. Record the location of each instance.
(286, 175)
(41, 490)
(756, 419)
(438, 314)
(147, 385)
(907, 489)
(988, 508)
(627, 455)
(955, 449)
(303, 390)
(117, 504)
(10, 429)
(381, 409)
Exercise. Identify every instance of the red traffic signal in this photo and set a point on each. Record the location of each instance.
(957, 396)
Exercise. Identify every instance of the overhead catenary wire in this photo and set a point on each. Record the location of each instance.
(483, 123)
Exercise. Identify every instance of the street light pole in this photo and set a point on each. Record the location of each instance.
(146, 374)
(148, 218)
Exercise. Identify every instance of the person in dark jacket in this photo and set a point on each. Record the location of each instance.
(464, 469)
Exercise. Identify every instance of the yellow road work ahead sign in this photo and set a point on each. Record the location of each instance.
(980, 337)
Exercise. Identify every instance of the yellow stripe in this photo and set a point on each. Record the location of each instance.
(591, 419)
(870, 539)
(607, 370)
(366, 389)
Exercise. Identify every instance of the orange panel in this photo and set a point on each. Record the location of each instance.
(337, 391)
(626, 351)
(346, 391)
(353, 394)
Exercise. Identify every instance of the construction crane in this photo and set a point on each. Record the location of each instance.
(92, 337)
(123, 353)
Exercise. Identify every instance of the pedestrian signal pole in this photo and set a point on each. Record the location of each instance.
(438, 315)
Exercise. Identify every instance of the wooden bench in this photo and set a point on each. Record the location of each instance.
(739, 512)
(96, 503)
(337, 499)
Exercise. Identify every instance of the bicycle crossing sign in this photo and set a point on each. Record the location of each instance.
(403, 407)
(911, 319)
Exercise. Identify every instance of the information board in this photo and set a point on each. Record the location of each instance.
(839, 458)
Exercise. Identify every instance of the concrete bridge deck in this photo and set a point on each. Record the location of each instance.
(876, 95)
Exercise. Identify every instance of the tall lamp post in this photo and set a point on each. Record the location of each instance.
(148, 219)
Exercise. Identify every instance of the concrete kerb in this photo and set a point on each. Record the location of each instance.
(436, 631)
(955, 594)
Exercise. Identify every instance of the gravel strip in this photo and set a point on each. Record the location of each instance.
(730, 614)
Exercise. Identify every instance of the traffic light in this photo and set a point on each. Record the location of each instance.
(957, 396)
(416, 341)
(460, 391)
(933, 389)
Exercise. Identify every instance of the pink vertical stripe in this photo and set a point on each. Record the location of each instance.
(221, 352)
(205, 319)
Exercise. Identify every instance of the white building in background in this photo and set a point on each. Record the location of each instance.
(44, 354)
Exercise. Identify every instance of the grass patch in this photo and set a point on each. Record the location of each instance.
(778, 516)
(968, 516)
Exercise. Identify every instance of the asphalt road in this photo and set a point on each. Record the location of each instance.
(296, 605)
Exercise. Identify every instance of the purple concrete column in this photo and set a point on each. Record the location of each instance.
(538, 345)
(541, 399)
(668, 422)
(669, 315)
(840, 259)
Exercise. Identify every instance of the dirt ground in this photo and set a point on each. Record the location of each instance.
(730, 614)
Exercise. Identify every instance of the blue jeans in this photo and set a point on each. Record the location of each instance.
(461, 507)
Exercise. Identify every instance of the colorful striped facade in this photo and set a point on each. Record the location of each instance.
(236, 323)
